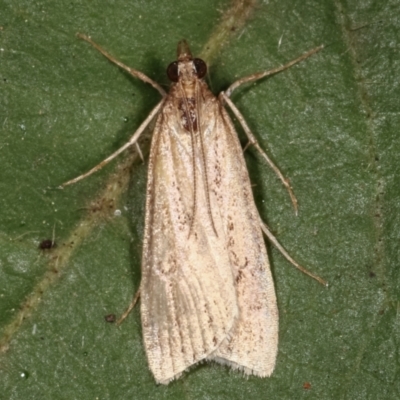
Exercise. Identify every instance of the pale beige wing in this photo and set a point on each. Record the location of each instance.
(252, 344)
(188, 297)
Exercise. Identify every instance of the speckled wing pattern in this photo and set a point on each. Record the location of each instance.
(207, 290)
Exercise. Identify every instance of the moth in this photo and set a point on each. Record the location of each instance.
(207, 291)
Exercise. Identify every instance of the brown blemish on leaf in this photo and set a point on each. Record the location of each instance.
(232, 21)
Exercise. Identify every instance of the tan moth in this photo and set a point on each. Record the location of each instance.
(206, 292)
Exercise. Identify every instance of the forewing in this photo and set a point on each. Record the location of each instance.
(188, 297)
(252, 343)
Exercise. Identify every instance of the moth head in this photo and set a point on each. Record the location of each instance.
(186, 69)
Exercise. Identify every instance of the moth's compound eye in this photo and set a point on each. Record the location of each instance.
(172, 71)
(201, 67)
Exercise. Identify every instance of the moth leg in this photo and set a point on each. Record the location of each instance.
(224, 98)
(131, 71)
(139, 150)
(275, 242)
(130, 308)
(260, 75)
(131, 141)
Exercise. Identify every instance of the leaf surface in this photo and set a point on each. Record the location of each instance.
(330, 123)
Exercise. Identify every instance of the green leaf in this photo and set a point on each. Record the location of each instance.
(330, 123)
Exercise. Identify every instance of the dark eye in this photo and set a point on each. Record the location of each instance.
(201, 67)
(172, 71)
